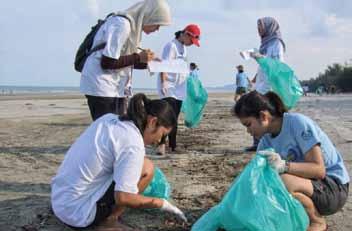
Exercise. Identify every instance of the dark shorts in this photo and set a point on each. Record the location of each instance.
(329, 195)
(241, 90)
(105, 205)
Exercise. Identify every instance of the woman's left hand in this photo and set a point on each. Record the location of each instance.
(275, 160)
(256, 55)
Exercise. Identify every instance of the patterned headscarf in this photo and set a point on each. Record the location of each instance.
(271, 33)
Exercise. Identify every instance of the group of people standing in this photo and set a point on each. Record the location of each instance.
(106, 170)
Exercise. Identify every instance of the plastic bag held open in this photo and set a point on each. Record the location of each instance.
(257, 200)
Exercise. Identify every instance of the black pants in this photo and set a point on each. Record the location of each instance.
(100, 106)
(176, 105)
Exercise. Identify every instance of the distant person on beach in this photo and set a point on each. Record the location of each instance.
(305, 90)
(332, 89)
(106, 75)
(311, 168)
(242, 82)
(320, 90)
(172, 86)
(272, 46)
(103, 171)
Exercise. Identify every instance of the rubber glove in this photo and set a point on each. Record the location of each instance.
(164, 88)
(168, 207)
(275, 160)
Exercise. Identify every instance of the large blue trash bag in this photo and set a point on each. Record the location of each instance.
(194, 103)
(158, 187)
(283, 80)
(257, 200)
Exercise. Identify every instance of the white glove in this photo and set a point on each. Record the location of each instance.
(168, 207)
(275, 160)
(164, 88)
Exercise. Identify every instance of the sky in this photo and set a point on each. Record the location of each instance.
(39, 38)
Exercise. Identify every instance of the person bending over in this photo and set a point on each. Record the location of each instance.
(311, 167)
(105, 169)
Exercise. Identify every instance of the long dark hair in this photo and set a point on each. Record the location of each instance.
(253, 103)
(140, 107)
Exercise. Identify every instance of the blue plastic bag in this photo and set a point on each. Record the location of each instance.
(195, 102)
(158, 187)
(283, 80)
(257, 200)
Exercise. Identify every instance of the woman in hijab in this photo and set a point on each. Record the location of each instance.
(106, 75)
(272, 46)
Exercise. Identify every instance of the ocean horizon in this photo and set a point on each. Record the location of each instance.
(15, 90)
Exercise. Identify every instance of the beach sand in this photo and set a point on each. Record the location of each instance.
(37, 130)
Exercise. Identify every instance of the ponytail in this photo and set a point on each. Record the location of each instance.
(253, 103)
(277, 103)
(178, 34)
(140, 107)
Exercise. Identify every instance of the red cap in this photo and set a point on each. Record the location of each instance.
(194, 31)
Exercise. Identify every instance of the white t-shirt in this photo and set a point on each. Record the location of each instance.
(108, 150)
(176, 83)
(275, 51)
(107, 83)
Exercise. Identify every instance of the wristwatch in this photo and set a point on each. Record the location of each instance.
(287, 166)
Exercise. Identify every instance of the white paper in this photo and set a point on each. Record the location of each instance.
(170, 66)
(246, 54)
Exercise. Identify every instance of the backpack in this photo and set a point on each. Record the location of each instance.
(85, 48)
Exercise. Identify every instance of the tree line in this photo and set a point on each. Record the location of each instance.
(336, 78)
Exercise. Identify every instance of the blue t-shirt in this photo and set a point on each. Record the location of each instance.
(297, 136)
(241, 80)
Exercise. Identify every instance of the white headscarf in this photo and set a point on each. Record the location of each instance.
(147, 12)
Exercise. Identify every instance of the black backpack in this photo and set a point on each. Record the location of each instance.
(85, 49)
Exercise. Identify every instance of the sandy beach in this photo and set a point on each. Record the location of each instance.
(37, 130)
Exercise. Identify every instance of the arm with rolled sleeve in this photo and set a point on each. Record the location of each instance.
(117, 35)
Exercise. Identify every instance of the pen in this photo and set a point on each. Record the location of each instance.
(141, 49)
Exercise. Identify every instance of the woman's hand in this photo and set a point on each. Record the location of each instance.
(146, 56)
(275, 160)
(256, 55)
(168, 207)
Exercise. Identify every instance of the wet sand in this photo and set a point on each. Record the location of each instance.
(36, 131)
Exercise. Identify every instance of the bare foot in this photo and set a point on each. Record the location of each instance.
(317, 226)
